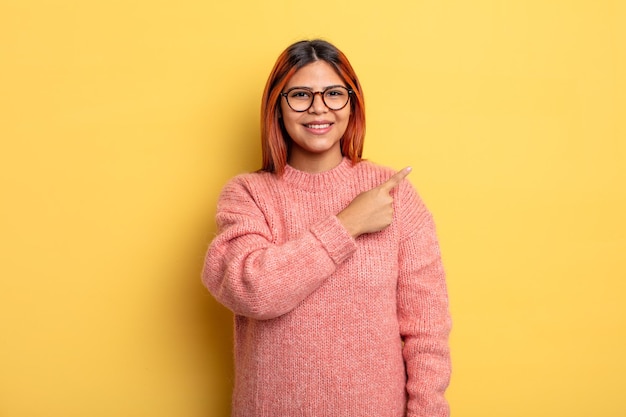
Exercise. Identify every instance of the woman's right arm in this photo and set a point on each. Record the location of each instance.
(254, 277)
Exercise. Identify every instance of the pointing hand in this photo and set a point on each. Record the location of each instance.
(372, 210)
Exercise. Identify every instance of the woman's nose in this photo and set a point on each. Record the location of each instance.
(318, 105)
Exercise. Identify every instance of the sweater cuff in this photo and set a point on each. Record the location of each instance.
(335, 239)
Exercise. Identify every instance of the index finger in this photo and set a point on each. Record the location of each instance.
(396, 178)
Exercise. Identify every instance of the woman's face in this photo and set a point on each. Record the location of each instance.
(315, 133)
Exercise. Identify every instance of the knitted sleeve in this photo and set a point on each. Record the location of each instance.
(422, 309)
(256, 278)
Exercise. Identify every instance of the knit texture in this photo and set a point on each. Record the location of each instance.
(328, 325)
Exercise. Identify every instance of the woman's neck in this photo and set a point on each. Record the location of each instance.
(314, 163)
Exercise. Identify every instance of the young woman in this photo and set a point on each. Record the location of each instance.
(330, 263)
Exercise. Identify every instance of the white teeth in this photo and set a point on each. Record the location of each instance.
(324, 126)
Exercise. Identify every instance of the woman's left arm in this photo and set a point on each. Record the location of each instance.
(422, 308)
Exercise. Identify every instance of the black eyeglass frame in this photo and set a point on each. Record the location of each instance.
(321, 93)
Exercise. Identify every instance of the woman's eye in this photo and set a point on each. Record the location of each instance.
(300, 94)
(334, 93)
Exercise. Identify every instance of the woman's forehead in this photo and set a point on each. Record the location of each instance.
(318, 74)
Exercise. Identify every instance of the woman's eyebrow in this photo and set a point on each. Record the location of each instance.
(311, 89)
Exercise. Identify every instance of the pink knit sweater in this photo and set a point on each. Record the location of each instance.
(328, 325)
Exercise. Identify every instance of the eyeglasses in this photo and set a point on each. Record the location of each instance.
(301, 99)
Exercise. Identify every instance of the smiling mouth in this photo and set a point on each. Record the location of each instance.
(319, 126)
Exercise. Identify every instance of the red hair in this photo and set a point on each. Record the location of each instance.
(274, 138)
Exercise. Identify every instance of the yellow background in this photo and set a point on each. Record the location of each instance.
(121, 120)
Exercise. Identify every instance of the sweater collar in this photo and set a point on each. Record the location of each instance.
(318, 181)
